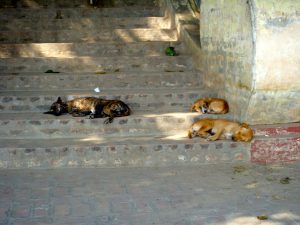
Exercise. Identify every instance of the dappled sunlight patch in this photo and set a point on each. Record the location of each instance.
(173, 114)
(285, 216)
(53, 50)
(92, 139)
(280, 218)
(126, 36)
(31, 4)
(179, 136)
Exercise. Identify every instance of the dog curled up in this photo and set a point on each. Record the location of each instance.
(215, 129)
(92, 107)
(210, 106)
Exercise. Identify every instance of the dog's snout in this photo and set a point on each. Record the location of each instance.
(204, 110)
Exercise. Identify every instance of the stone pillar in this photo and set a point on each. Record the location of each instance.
(250, 52)
(276, 68)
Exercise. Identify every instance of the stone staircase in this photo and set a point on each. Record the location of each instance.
(120, 49)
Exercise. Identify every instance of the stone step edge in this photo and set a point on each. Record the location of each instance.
(185, 120)
(129, 153)
(88, 8)
(149, 153)
(100, 73)
(114, 44)
(265, 130)
(152, 21)
(158, 91)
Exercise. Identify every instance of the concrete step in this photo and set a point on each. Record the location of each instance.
(123, 152)
(71, 50)
(105, 81)
(41, 4)
(140, 123)
(37, 14)
(152, 100)
(85, 24)
(88, 35)
(97, 64)
(155, 151)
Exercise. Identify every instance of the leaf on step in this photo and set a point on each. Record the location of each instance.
(170, 51)
(100, 72)
(262, 217)
(285, 180)
(239, 169)
(51, 71)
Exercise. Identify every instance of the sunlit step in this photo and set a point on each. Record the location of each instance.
(81, 24)
(139, 123)
(105, 81)
(71, 50)
(89, 36)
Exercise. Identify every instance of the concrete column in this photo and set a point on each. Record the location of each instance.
(250, 52)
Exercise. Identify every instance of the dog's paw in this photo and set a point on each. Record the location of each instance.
(210, 138)
(92, 116)
(109, 120)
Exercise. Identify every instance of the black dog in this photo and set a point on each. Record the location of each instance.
(92, 106)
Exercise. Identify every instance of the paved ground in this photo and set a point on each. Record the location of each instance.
(227, 194)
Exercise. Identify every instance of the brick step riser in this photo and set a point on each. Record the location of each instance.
(107, 64)
(70, 50)
(38, 14)
(85, 24)
(107, 35)
(104, 82)
(113, 156)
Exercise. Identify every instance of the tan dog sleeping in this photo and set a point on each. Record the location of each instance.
(214, 129)
(210, 105)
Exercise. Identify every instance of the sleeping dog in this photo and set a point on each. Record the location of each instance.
(215, 129)
(92, 106)
(210, 106)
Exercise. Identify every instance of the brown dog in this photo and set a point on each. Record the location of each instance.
(214, 129)
(210, 105)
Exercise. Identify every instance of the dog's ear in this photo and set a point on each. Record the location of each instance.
(245, 125)
(58, 100)
(192, 108)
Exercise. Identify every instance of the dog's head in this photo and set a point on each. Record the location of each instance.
(58, 108)
(244, 133)
(120, 109)
(116, 108)
(200, 106)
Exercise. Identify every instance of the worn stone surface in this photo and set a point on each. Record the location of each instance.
(248, 49)
(227, 194)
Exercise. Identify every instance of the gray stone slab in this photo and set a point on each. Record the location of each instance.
(226, 194)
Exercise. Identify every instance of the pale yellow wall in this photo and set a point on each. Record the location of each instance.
(277, 44)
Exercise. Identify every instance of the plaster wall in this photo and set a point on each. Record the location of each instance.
(250, 50)
(227, 51)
